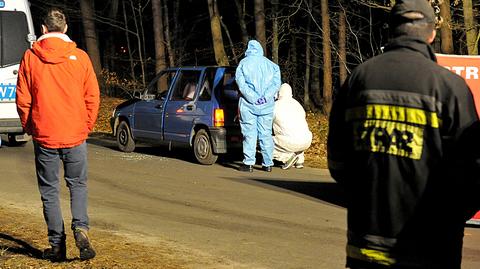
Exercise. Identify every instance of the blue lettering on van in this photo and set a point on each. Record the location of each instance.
(7, 92)
(2, 4)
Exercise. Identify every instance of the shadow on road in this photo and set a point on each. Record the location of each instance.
(22, 247)
(325, 191)
(108, 141)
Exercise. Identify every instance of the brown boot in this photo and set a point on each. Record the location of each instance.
(56, 253)
(83, 244)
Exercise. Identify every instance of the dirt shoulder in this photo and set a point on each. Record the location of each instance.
(23, 237)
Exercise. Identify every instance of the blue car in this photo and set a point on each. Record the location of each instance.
(195, 107)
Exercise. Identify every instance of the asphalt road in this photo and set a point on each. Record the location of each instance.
(283, 219)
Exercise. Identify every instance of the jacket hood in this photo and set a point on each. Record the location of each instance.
(285, 91)
(254, 48)
(54, 48)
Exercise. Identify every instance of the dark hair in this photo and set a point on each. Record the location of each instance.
(55, 20)
(411, 25)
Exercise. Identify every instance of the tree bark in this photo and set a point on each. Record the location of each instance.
(139, 40)
(108, 57)
(306, 85)
(446, 28)
(470, 27)
(160, 61)
(342, 49)
(218, 47)
(275, 34)
(168, 41)
(88, 20)
(327, 58)
(293, 58)
(241, 21)
(315, 52)
(127, 37)
(260, 31)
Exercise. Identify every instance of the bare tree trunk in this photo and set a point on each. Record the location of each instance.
(168, 41)
(241, 20)
(470, 27)
(327, 58)
(110, 40)
(227, 32)
(306, 85)
(88, 19)
(315, 54)
(260, 31)
(139, 42)
(293, 57)
(342, 40)
(160, 61)
(275, 39)
(218, 47)
(129, 46)
(446, 28)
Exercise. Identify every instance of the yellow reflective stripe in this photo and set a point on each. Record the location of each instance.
(394, 113)
(394, 138)
(370, 255)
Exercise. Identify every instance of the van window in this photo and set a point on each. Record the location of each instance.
(206, 92)
(229, 93)
(186, 85)
(13, 32)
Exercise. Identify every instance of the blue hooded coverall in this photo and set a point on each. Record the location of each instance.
(258, 80)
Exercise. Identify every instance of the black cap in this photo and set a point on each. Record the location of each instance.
(401, 7)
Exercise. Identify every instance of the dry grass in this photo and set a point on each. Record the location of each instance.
(315, 156)
(23, 237)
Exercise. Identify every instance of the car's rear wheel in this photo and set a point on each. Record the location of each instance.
(202, 148)
(125, 140)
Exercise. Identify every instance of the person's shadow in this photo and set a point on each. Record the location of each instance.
(21, 247)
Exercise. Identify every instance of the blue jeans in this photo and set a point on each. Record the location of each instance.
(47, 162)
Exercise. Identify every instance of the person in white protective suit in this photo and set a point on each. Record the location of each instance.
(258, 80)
(291, 133)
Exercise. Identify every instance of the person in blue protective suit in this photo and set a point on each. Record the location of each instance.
(258, 80)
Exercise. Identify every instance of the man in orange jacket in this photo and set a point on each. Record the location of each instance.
(58, 100)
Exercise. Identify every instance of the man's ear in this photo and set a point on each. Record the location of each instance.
(44, 29)
(432, 37)
(66, 28)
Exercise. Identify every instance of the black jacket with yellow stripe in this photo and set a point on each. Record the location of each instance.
(396, 143)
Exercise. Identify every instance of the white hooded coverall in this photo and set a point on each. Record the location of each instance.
(290, 128)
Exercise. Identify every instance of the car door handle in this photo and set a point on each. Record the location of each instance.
(159, 106)
(189, 107)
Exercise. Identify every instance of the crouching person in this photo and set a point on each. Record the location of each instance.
(58, 100)
(291, 134)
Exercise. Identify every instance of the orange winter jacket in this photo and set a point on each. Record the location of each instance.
(57, 92)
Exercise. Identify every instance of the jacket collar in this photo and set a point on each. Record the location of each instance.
(64, 37)
(412, 43)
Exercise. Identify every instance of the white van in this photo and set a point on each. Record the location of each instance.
(16, 36)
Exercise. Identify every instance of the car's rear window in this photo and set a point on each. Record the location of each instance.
(229, 90)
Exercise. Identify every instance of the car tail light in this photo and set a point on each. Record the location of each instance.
(218, 118)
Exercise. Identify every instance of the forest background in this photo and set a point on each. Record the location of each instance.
(315, 42)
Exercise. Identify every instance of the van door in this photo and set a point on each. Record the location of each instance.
(181, 109)
(14, 32)
(148, 114)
